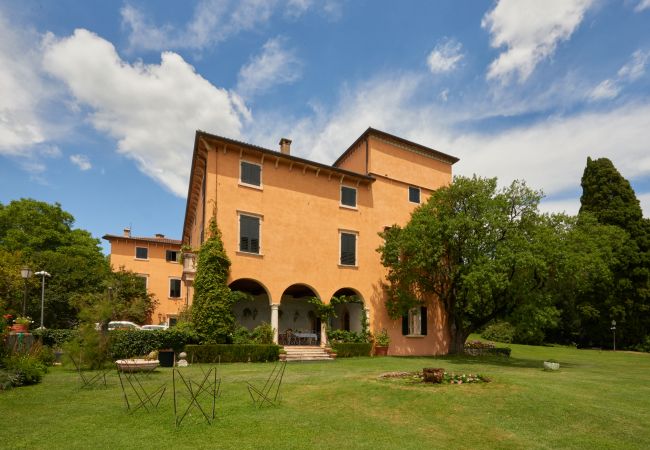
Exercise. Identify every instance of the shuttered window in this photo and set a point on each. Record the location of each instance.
(171, 256)
(348, 249)
(174, 288)
(249, 234)
(414, 194)
(415, 322)
(348, 196)
(251, 174)
(142, 253)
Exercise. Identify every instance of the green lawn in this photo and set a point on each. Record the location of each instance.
(597, 400)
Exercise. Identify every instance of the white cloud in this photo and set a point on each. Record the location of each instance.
(531, 30)
(643, 4)
(274, 65)
(152, 110)
(213, 21)
(445, 56)
(631, 71)
(644, 199)
(81, 161)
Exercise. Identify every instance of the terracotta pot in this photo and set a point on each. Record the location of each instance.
(433, 375)
(381, 351)
(20, 328)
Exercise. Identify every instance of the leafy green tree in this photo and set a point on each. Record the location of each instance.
(43, 238)
(472, 249)
(213, 300)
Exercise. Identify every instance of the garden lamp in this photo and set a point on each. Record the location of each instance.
(26, 273)
(43, 274)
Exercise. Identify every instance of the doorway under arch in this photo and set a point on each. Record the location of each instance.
(255, 311)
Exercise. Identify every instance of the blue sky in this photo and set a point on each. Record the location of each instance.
(99, 101)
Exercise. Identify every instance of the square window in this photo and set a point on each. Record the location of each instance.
(172, 256)
(348, 196)
(249, 234)
(414, 194)
(415, 322)
(174, 288)
(348, 249)
(141, 253)
(251, 173)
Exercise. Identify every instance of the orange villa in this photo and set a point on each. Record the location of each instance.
(157, 261)
(296, 229)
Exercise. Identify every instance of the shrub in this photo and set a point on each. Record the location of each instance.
(336, 336)
(55, 338)
(24, 369)
(210, 353)
(348, 349)
(262, 334)
(131, 343)
(643, 346)
(241, 335)
(500, 332)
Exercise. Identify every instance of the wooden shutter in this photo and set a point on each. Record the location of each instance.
(348, 196)
(405, 325)
(348, 249)
(249, 234)
(250, 173)
(423, 320)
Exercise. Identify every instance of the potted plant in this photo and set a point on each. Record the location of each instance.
(382, 341)
(21, 324)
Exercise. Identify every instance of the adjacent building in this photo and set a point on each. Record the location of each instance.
(157, 260)
(295, 229)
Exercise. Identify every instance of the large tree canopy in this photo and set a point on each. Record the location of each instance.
(473, 249)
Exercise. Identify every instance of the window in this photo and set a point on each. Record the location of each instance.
(251, 174)
(249, 234)
(174, 288)
(348, 249)
(415, 322)
(414, 194)
(348, 196)
(141, 253)
(172, 256)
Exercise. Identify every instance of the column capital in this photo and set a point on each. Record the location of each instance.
(275, 306)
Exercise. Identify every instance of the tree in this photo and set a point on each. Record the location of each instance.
(213, 300)
(471, 250)
(41, 236)
(610, 198)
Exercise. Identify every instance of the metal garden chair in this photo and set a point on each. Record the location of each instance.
(269, 393)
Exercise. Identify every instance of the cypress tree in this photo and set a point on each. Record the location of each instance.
(213, 300)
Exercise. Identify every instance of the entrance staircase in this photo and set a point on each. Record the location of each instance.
(306, 353)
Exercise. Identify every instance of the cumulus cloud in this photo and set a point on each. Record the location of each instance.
(213, 21)
(643, 4)
(152, 110)
(530, 30)
(445, 56)
(81, 161)
(631, 71)
(274, 65)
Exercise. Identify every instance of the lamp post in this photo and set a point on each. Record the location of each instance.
(26, 273)
(614, 332)
(43, 274)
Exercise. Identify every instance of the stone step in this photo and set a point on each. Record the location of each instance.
(306, 353)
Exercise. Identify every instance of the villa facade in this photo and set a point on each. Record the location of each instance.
(296, 229)
(157, 261)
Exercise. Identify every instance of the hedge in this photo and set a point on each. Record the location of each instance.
(55, 338)
(348, 349)
(130, 343)
(499, 351)
(209, 353)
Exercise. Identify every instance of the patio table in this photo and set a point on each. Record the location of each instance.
(309, 338)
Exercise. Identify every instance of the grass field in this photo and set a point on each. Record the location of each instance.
(597, 400)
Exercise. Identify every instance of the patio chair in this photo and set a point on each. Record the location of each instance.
(269, 393)
(143, 395)
(209, 385)
(89, 379)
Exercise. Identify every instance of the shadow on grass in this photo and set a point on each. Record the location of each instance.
(489, 360)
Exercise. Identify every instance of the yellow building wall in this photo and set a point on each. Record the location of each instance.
(157, 270)
(301, 218)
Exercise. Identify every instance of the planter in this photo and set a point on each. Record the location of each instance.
(433, 375)
(380, 350)
(283, 356)
(136, 365)
(166, 358)
(20, 328)
(551, 365)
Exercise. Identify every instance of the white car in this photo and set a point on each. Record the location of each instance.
(122, 325)
(155, 327)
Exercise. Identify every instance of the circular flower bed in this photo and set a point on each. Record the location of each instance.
(446, 378)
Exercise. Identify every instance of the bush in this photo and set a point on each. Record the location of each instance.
(131, 343)
(643, 346)
(55, 338)
(348, 349)
(241, 336)
(210, 353)
(499, 332)
(336, 336)
(262, 334)
(24, 369)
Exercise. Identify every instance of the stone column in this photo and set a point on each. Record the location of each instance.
(323, 334)
(368, 318)
(275, 321)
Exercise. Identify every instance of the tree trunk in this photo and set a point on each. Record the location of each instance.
(457, 342)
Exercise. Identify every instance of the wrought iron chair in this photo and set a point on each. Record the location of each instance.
(143, 395)
(209, 385)
(89, 379)
(269, 393)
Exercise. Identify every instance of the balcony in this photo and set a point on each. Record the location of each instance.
(189, 267)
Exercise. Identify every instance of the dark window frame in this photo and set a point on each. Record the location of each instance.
(347, 258)
(170, 252)
(146, 250)
(412, 190)
(248, 243)
(342, 197)
(172, 289)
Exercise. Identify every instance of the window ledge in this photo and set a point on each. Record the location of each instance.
(353, 208)
(141, 259)
(251, 186)
(258, 255)
(345, 266)
(416, 336)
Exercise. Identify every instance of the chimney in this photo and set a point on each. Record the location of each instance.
(160, 235)
(127, 232)
(285, 146)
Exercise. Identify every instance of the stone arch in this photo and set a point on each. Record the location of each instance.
(349, 315)
(297, 315)
(254, 312)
